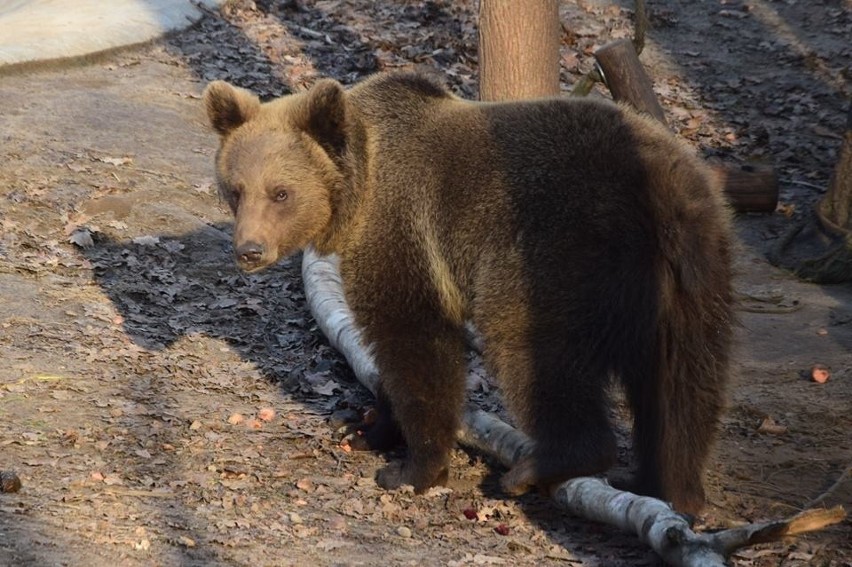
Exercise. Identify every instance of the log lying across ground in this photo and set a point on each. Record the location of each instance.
(748, 188)
(651, 520)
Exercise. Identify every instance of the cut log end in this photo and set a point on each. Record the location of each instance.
(749, 188)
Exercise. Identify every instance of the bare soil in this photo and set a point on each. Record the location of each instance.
(129, 340)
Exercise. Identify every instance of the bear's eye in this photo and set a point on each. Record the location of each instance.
(231, 195)
(237, 191)
(281, 194)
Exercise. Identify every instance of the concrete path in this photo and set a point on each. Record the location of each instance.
(43, 31)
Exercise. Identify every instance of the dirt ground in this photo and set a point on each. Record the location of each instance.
(129, 340)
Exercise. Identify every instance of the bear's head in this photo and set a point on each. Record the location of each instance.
(278, 166)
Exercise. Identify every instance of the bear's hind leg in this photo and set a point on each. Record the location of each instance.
(559, 397)
(674, 428)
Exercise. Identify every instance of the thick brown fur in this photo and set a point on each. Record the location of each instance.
(581, 238)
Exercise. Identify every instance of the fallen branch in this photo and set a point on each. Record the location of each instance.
(651, 520)
(324, 294)
(847, 472)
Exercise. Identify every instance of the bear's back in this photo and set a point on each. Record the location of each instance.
(577, 180)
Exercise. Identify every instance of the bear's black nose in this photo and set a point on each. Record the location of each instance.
(249, 254)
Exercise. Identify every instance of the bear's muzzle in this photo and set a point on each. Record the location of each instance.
(249, 256)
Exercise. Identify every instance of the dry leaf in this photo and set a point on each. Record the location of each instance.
(116, 161)
(9, 481)
(327, 389)
(769, 426)
(206, 188)
(82, 238)
(266, 414)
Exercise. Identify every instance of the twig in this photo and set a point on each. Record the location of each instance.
(158, 173)
(828, 492)
(819, 188)
(587, 82)
(641, 26)
(139, 493)
(769, 309)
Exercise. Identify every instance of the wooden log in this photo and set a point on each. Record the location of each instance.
(626, 79)
(750, 189)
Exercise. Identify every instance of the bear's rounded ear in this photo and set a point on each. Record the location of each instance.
(325, 119)
(229, 107)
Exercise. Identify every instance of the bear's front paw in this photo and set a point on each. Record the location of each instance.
(399, 473)
(520, 478)
(392, 476)
(356, 440)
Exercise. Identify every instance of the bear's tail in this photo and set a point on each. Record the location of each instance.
(678, 398)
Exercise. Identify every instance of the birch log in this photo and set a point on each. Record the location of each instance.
(653, 521)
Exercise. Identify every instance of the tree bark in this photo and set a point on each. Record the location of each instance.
(819, 248)
(518, 49)
(626, 79)
(836, 206)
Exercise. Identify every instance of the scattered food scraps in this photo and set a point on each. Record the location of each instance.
(820, 373)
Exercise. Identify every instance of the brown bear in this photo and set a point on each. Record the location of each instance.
(582, 239)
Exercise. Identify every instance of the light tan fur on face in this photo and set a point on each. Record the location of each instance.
(261, 155)
(257, 166)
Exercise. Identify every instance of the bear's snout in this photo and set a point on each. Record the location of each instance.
(249, 255)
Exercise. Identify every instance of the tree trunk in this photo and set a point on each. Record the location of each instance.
(626, 79)
(518, 49)
(819, 249)
(836, 207)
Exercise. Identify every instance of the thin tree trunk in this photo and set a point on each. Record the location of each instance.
(518, 49)
(819, 248)
(836, 206)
